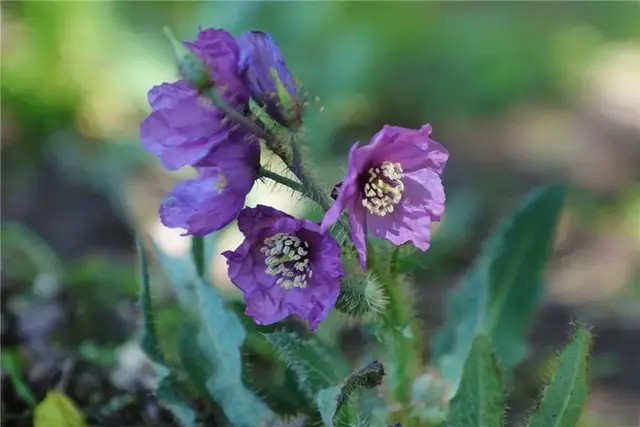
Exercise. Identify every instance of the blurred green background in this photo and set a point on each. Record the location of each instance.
(521, 93)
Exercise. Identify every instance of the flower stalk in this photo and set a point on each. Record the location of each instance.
(266, 173)
(293, 160)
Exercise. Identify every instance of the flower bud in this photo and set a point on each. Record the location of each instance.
(361, 294)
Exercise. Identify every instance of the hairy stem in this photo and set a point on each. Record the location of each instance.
(401, 332)
(315, 191)
(281, 180)
(293, 160)
(238, 117)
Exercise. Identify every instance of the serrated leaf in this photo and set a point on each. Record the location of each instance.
(57, 410)
(479, 401)
(502, 290)
(316, 366)
(167, 394)
(565, 395)
(220, 338)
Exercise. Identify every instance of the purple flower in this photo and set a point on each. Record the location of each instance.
(392, 188)
(184, 126)
(214, 199)
(285, 266)
(221, 52)
(261, 62)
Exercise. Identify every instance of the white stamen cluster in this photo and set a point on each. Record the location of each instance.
(384, 188)
(287, 258)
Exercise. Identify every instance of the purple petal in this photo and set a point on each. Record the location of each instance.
(266, 301)
(422, 202)
(252, 222)
(167, 95)
(358, 224)
(201, 206)
(259, 55)
(184, 130)
(349, 188)
(238, 159)
(220, 51)
(410, 147)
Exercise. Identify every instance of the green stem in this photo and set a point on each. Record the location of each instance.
(197, 252)
(281, 180)
(294, 161)
(238, 117)
(312, 188)
(401, 332)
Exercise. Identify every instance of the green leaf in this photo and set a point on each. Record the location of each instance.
(327, 401)
(331, 400)
(316, 366)
(220, 339)
(192, 358)
(57, 410)
(182, 275)
(167, 392)
(501, 292)
(479, 401)
(565, 395)
(12, 364)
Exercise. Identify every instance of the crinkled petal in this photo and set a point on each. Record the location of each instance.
(410, 147)
(237, 160)
(166, 95)
(252, 222)
(358, 158)
(184, 130)
(358, 224)
(220, 51)
(266, 301)
(201, 206)
(422, 202)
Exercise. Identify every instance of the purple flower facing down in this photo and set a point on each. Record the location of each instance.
(221, 52)
(184, 126)
(266, 74)
(392, 188)
(285, 266)
(214, 199)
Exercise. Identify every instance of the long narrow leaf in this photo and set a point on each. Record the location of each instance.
(565, 395)
(220, 339)
(479, 401)
(501, 292)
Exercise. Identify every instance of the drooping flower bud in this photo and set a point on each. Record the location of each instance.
(192, 69)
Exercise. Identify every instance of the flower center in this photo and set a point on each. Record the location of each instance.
(287, 259)
(384, 188)
(221, 183)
